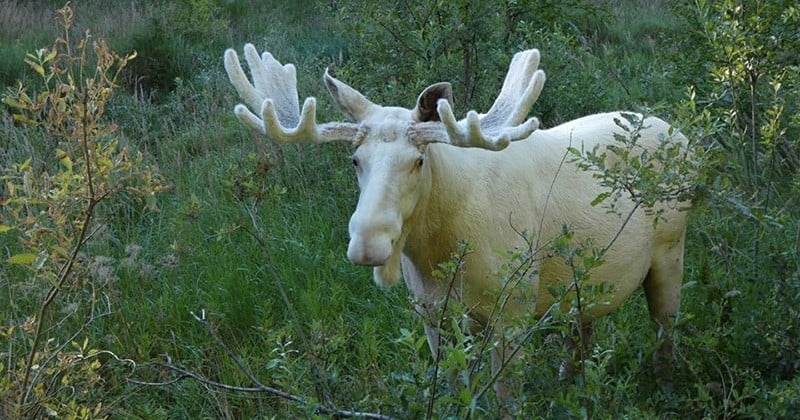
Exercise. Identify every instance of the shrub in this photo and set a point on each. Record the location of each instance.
(745, 241)
(394, 46)
(48, 216)
(163, 57)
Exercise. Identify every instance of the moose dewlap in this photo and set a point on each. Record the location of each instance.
(428, 181)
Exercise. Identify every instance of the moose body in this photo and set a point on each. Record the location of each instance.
(428, 181)
(530, 187)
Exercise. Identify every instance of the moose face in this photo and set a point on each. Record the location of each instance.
(391, 174)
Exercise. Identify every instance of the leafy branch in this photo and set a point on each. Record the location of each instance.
(52, 205)
(649, 177)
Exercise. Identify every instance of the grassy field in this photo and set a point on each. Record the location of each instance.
(251, 236)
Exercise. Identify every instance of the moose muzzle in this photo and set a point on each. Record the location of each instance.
(372, 238)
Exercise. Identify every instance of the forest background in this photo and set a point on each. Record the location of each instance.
(159, 260)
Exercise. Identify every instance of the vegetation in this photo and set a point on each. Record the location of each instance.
(147, 235)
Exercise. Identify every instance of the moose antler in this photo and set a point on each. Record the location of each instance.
(274, 94)
(521, 88)
(503, 123)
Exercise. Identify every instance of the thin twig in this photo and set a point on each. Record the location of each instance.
(238, 360)
(621, 228)
(58, 350)
(64, 273)
(442, 318)
(504, 362)
(184, 373)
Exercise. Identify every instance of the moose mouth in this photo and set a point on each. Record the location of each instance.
(382, 252)
(371, 252)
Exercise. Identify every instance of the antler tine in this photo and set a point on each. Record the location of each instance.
(274, 94)
(521, 88)
(238, 79)
(528, 98)
(471, 132)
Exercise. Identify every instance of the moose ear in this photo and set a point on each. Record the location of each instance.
(426, 103)
(350, 101)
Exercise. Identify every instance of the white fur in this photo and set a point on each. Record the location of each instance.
(426, 185)
(488, 198)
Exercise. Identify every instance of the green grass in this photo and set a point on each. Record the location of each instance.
(254, 235)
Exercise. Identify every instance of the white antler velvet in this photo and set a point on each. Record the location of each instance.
(273, 94)
(503, 123)
(521, 88)
(473, 132)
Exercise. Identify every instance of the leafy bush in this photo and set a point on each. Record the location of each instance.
(745, 115)
(48, 218)
(408, 46)
(396, 45)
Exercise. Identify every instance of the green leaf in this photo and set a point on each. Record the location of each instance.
(25, 258)
(4, 228)
(466, 397)
(36, 67)
(600, 198)
(64, 158)
(51, 55)
(15, 103)
(24, 120)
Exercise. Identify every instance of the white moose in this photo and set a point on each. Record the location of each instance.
(428, 181)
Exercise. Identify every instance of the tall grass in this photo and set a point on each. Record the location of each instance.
(19, 20)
